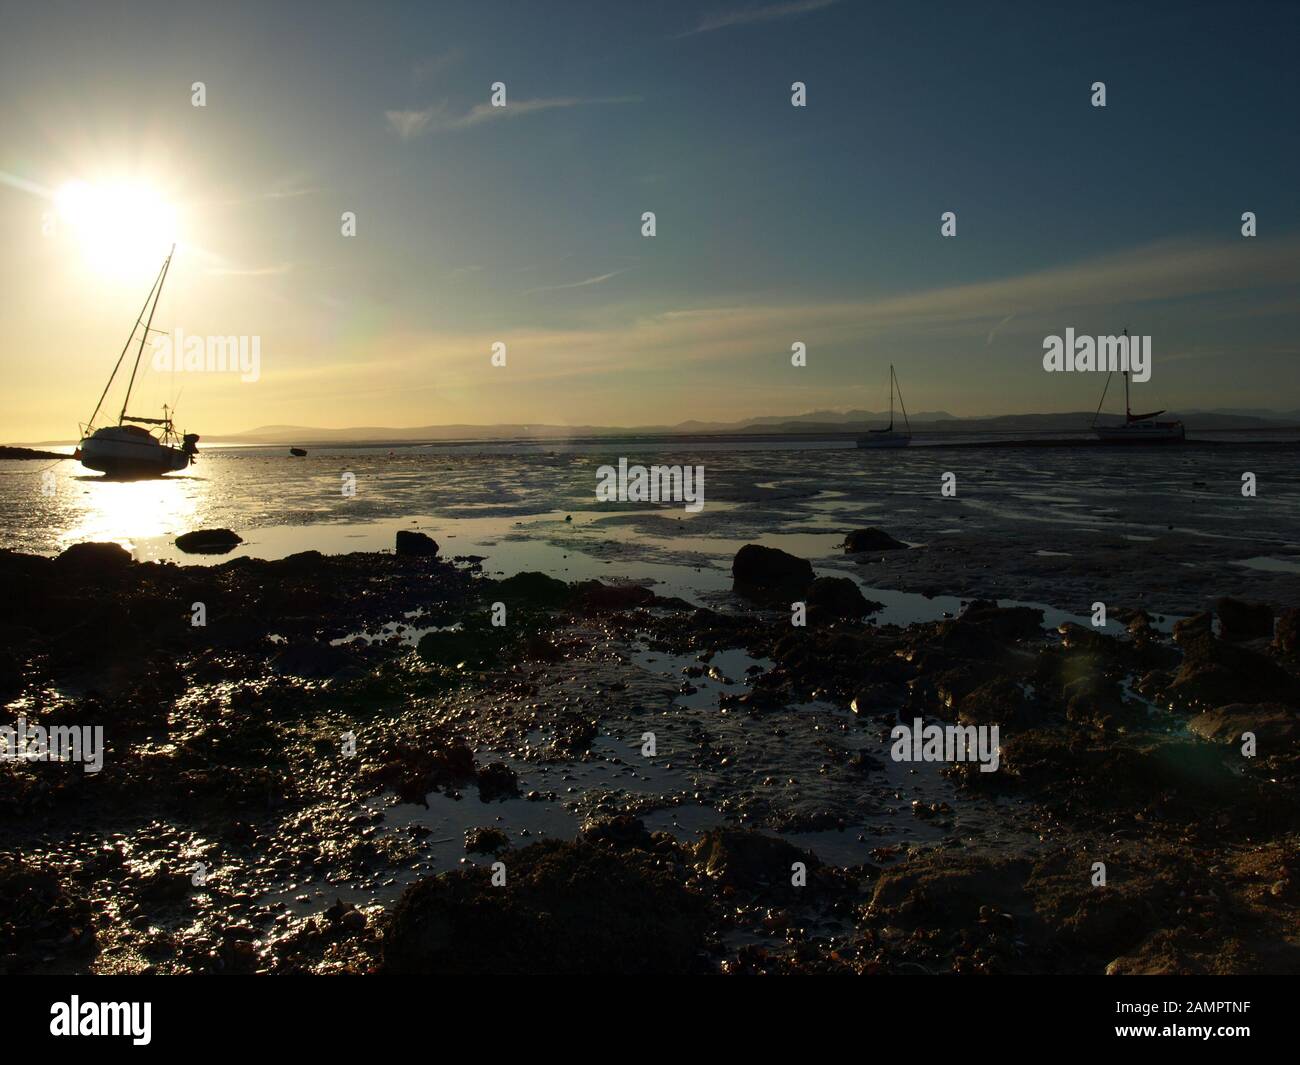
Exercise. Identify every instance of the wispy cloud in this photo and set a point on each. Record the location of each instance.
(744, 17)
(580, 284)
(436, 118)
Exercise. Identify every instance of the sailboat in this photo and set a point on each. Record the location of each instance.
(1137, 428)
(128, 449)
(889, 436)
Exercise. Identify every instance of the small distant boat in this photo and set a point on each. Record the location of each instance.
(1137, 428)
(889, 436)
(127, 449)
(297, 452)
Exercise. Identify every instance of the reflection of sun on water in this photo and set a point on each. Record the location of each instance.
(126, 512)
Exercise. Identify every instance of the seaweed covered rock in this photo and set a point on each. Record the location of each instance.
(862, 540)
(565, 908)
(742, 858)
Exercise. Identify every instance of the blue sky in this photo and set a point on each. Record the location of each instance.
(775, 223)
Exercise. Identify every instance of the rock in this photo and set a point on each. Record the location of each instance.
(99, 557)
(1215, 673)
(208, 541)
(1286, 639)
(533, 589)
(622, 831)
(564, 909)
(1190, 628)
(766, 569)
(997, 702)
(861, 540)
(597, 596)
(1003, 622)
(739, 857)
(953, 887)
(838, 597)
(1239, 620)
(497, 781)
(1272, 723)
(485, 841)
(412, 544)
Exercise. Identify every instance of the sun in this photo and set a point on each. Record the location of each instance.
(121, 227)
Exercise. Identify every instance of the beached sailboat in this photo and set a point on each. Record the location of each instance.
(889, 436)
(1137, 428)
(127, 449)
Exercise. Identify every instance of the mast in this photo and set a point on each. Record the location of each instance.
(157, 295)
(118, 366)
(1128, 407)
(895, 384)
(891, 395)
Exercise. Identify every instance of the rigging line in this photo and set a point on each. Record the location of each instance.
(162, 276)
(1103, 397)
(91, 423)
(900, 399)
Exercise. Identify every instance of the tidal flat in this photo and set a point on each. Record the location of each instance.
(329, 772)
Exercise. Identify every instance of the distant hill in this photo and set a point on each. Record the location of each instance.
(814, 422)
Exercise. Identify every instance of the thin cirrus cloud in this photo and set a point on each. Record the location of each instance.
(579, 284)
(726, 20)
(437, 119)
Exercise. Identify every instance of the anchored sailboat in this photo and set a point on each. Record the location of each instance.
(127, 449)
(1137, 428)
(889, 436)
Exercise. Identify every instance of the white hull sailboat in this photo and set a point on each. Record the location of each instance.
(127, 449)
(1137, 428)
(889, 436)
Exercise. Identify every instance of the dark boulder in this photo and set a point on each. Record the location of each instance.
(208, 541)
(838, 598)
(860, 540)
(758, 569)
(95, 557)
(533, 589)
(1239, 620)
(415, 544)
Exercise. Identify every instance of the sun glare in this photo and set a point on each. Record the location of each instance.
(121, 227)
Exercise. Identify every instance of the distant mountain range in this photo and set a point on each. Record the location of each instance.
(811, 423)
